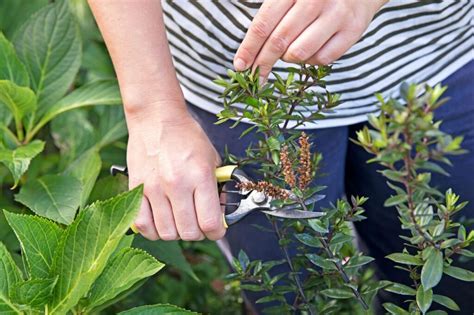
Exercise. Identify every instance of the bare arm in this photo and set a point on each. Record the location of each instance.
(135, 36)
(167, 149)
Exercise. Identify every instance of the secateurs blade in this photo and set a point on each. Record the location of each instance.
(252, 200)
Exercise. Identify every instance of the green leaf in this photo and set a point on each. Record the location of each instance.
(318, 226)
(73, 134)
(9, 276)
(400, 289)
(56, 197)
(406, 259)
(50, 47)
(20, 100)
(11, 67)
(168, 252)
(446, 302)
(157, 309)
(459, 273)
(395, 200)
(112, 126)
(14, 13)
(424, 298)
(342, 293)
(9, 272)
(39, 239)
(35, 292)
(308, 240)
(394, 309)
(432, 270)
(109, 186)
(321, 262)
(357, 261)
(95, 93)
(123, 271)
(87, 245)
(18, 160)
(86, 169)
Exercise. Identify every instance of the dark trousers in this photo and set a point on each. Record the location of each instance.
(345, 172)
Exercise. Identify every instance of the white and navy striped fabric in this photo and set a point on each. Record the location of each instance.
(408, 40)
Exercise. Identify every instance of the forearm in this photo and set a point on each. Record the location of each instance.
(135, 36)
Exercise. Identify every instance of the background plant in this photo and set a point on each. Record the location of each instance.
(57, 142)
(408, 143)
(326, 274)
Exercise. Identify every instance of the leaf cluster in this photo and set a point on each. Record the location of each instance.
(408, 143)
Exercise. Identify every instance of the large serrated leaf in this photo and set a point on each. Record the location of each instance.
(123, 271)
(49, 45)
(20, 100)
(13, 13)
(39, 239)
(56, 197)
(18, 160)
(35, 292)
(87, 245)
(157, 309)
(95, 93)
(86, 168)
(169, 252)
(11, 67)
(9, 276)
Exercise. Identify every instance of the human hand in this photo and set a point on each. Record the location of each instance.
(315, 32)
(176, 162)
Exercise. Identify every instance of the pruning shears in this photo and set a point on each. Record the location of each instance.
(251, 200)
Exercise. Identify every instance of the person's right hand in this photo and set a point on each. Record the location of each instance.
(176, 162)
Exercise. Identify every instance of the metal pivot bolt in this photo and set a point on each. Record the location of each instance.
(259, 198)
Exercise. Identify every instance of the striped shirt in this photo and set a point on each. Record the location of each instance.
(408, 40)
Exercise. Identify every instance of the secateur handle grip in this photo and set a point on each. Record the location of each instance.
(223, 174)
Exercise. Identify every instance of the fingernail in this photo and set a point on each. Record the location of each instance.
(239, 64)
(225, 223)
(133, 227)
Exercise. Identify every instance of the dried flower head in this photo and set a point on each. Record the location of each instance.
(304, 168)
(268, 188)
(287, 167)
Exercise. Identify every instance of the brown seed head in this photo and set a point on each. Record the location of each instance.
(304, 168)
(287, 167)
(268, 188)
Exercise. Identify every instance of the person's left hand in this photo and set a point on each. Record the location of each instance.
(315, 32)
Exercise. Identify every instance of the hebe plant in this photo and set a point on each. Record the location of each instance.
(326, 275)
(409, 145)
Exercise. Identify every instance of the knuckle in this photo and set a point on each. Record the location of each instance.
(141, 225)
(297, 54)
(324, 59)
(260, 29)
(202, 174)
(172, 182)
(191, 235)
(150, 188)
(210, 225)
(278, 43)
(168, 235)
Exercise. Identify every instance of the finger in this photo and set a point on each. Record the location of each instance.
(311, 39)
(266, 19)
(208, 210)
(298, 18)
(144, 221)
(184, 213)
(163, 216)
(334, 48)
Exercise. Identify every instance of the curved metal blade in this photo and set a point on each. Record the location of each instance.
(294, 214)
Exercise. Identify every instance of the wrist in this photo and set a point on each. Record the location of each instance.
(156, 114)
